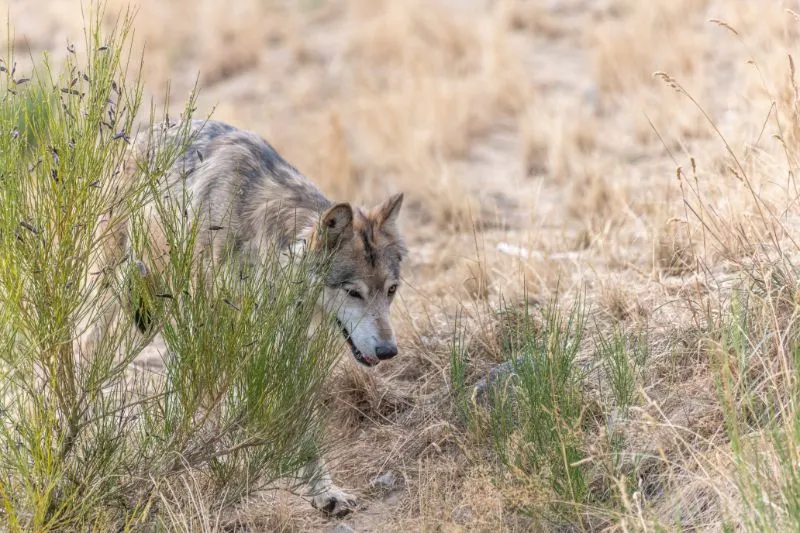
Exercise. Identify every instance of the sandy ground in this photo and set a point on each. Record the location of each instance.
(536, 149)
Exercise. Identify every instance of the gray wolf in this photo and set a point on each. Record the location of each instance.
(249, 200)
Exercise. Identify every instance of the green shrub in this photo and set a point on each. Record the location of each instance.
(86, 443)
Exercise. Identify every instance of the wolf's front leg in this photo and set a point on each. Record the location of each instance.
(324, 495)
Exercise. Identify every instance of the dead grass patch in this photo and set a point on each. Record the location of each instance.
(629, 49)
(675, 249)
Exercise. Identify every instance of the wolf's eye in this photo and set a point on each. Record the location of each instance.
(392, 289)
(354, 294)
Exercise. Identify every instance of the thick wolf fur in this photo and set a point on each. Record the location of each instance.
(249, 202)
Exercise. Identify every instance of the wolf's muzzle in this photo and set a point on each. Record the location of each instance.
(354, 349)
(386, 351)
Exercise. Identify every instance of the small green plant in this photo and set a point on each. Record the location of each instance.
(534, 409)
(549, 399)
(88, 444)
(458, 371)
(623, 358)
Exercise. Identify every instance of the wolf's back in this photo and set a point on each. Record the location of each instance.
(243, 192)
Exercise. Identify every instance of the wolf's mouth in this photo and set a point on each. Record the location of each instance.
(356, 352)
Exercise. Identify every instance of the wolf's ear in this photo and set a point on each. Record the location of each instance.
(335, 225)
(386, 213)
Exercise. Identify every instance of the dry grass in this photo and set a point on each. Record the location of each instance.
(539, 127)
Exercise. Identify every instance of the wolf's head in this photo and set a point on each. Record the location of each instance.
(363, 274)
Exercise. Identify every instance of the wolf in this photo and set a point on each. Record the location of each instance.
(249, 202)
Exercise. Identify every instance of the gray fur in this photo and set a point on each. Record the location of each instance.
(240, 186)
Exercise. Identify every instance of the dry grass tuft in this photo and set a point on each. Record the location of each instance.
(536, 19)
(619, 303)
(359, 397)
(410, 37)
(476, 279)
(675, 250)
(596, 200)
(629, 49)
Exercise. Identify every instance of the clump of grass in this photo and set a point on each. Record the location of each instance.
(459, 387)
(535, 409)
(674, 253)
(550, 399)
(756, 373)
(86, 444)
(623, 358)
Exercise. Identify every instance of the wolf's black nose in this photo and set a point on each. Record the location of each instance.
(386, 351)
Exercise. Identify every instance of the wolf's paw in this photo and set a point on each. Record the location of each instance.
(335, 502)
